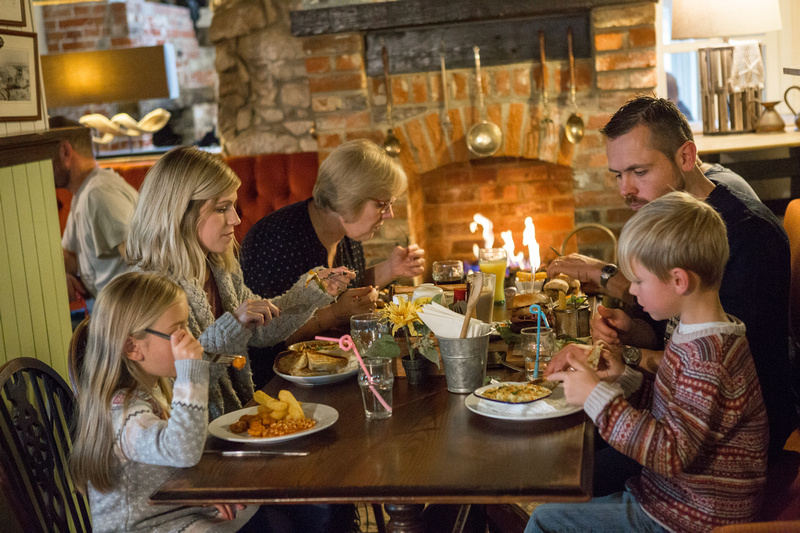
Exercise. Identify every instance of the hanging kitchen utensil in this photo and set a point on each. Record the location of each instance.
(484, 138)
(574, 128)
(546, 124)
(447, 125)
(391, 144)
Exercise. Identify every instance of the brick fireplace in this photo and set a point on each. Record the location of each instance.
(559, 187)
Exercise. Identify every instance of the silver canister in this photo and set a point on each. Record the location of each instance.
(464, 362)
(573, 322)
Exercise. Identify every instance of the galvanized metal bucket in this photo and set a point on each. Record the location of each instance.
(464, 362)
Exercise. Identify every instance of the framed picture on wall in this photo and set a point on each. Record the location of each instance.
(19, 77)
(12, 13)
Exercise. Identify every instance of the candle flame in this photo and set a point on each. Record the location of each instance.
(529, 240)
(487, 233)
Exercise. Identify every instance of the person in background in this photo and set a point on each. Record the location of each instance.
(699, 426)
(100, 213)
(135, 427)
(355, 189)
(651, 151)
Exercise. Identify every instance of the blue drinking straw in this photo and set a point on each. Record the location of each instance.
(536, 310)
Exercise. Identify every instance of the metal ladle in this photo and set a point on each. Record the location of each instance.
(484, 138)
(391, 144)
(574, 128)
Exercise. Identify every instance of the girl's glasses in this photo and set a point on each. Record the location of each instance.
(158, 334)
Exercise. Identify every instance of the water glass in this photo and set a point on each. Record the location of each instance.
(484, 310)
(380, 368)
(448, 272)
(546, 343)
(495, 261)
(365, 330)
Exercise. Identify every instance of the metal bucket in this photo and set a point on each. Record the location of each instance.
(464, 362)
(572, 322)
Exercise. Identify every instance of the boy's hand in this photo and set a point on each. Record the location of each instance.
(578, 382)
(611, 365)
(560, 361)
(185, 346)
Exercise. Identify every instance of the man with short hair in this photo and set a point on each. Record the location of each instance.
(102, 205)
(651, 151)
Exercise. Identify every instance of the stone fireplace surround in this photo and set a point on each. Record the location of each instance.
(558, 187)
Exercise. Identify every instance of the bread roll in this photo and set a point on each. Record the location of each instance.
(528, 299)
(557, 284)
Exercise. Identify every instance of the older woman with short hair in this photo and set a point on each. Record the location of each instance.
(356, 187)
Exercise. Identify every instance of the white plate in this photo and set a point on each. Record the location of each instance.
(325, 416)
(309, 381)
(505, 411)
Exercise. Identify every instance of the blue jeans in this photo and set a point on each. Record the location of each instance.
(616, 512)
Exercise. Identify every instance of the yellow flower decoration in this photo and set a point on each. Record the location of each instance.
(403, 314)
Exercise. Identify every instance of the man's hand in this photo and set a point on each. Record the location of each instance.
(580, 267)
(75, 288)
(609, 324)
(579, 382)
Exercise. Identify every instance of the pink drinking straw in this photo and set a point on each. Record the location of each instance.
(346, 343)
(535, 309)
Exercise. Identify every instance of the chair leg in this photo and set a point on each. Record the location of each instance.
(377, 510)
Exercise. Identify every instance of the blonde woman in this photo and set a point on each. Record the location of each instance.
(182, 228)
(134, 427)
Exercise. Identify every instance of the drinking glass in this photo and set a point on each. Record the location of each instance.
(484, 310)
(380, 368)
(546, 342)
(495, 261)
(365, 329)
(451, 271)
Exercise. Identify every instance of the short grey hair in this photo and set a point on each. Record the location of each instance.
(353, 174)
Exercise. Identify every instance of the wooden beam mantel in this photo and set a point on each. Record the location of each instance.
(411, 13)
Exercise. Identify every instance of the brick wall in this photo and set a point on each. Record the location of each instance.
(344, 103)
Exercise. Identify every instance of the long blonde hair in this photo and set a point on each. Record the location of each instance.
(126, 306)
(164, 228)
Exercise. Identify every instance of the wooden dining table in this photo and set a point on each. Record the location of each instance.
(432, 449)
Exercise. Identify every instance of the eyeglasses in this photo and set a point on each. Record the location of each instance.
(158, 334)
(384, 206)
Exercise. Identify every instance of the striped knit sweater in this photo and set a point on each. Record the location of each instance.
(698, 427)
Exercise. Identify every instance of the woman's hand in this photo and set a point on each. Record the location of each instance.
(227, 511)
(336, 279)
(355, 301)
(185, 346)
(254, 313)
(407, 262)
(579, 381)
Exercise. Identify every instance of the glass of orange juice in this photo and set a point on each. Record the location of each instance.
(495, 261)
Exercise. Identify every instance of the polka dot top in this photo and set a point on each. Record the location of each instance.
(283, 245)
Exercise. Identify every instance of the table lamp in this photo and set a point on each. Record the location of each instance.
(112, 76)
(731, 76)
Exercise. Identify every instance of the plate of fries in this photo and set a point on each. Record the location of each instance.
(273, 420)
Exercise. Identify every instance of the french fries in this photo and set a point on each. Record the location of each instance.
(275, 417)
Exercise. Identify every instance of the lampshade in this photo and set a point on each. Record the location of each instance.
(110, 76)
(693, 19)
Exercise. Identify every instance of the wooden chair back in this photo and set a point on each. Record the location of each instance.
(36, 411)
(77, 349)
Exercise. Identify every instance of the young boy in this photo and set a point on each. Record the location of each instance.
(699, 426)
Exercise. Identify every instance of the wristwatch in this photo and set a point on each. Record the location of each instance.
(608, 272)
(631, 355)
